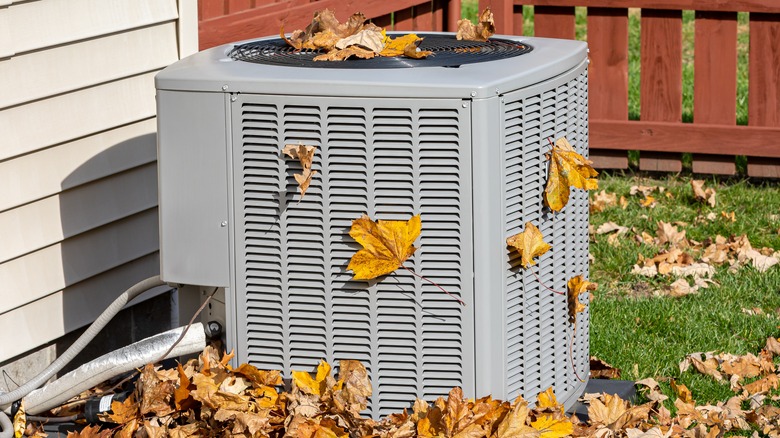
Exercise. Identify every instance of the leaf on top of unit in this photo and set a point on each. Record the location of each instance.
(529, 243)
(305, 155)
(386, 245)
(567, 169)
(484, 29)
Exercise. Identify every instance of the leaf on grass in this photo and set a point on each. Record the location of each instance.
(386, 245)
(607, 409)
(317, 385)
(772, 346)
(529, 244)
(602, 200)
(702, 194)
(574, 287)
(762, 385)
(305, 155)
(484, 29)
(682, 392)
(567, 169)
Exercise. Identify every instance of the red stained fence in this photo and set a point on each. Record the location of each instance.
(713, 138)
(224, 21)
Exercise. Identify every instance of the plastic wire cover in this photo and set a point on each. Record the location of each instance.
(447, 52)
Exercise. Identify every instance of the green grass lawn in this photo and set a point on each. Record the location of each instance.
(647, 336)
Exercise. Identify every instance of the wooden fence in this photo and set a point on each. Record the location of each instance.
(660, 135)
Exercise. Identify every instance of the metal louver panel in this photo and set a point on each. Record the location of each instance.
(538, 333)
(295, 301)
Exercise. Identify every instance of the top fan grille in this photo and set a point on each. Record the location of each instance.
(447, 52)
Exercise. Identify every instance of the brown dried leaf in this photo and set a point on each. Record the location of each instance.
(602, 200)
(90, 431)
(305, 155)
(602, 370)
(355, 387)
(682, 392)
(700, 194)
(370, 39)
(208, 393)
(763, 385)
(772, 346)
(607, 409)
(156, 393)
(484, 29)
(341, 55)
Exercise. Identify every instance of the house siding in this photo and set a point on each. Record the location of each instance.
(78, 184)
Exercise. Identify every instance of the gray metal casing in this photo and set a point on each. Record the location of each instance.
(464, 147)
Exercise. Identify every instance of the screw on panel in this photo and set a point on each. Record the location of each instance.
(224, 88)
(223, 224)
(497, 91)
(465, 105)
(473, 94)
(233, 98)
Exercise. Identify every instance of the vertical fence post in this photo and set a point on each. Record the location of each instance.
(608, 77)
(715, 82)
(764, 87)
(661, 80)
(554, 21)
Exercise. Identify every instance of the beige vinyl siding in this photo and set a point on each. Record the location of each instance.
(75, 307)
(78, 178)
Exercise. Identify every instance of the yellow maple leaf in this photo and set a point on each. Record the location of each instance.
(546, 399)
(574, 287)
(396, 46)
(567, 169)
(551, 427)
(305, 155)
(123, 411)
(529, 243)
(386, 245)
(309, 385)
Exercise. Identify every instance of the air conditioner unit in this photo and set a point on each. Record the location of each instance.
(459, 138)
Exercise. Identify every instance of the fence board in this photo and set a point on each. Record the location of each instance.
(767, 6)
(211, 9)
(404, 20)
(661, 79)
(608, 76)
(715, 81)
(690, 137)
(554, 21)
(238, 5)
(452, 13)
(267, 19)
(764, 91)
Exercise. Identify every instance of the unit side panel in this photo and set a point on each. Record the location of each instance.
(295, 301)
(537, 327)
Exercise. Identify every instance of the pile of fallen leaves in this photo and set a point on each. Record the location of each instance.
(208, 397)
(692, 262)
(359, 38)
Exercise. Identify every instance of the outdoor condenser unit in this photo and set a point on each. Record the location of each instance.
(459, 137)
